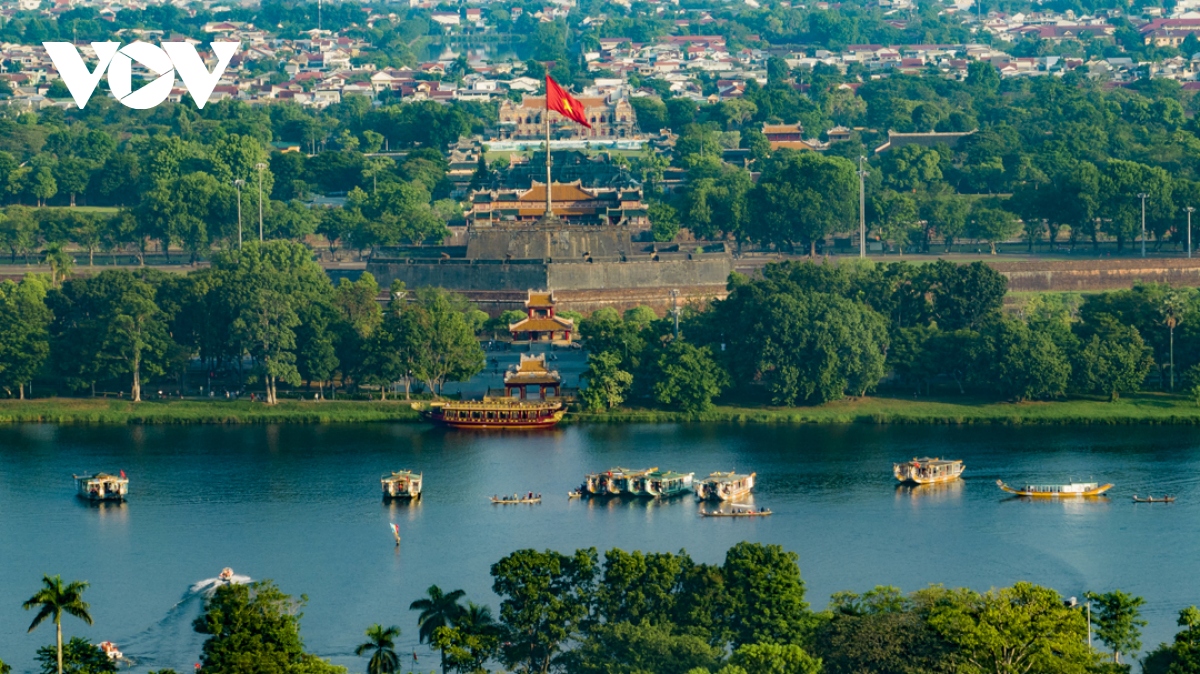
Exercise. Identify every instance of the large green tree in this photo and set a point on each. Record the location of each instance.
(765, 595)
(108, 326)
(1012, 630)
(607, 383)
(24, 333)
(544, 598)
(255, 627)
(1113, 359)
(685, 377)
(1118, 621)
(801, 198)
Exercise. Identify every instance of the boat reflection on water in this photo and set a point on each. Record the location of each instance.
(399, 509)
(109, 510)
(937, 492)
(1067, 505)
(615, 503)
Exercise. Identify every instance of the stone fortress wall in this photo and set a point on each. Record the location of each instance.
(587, 268)
(1097, 275)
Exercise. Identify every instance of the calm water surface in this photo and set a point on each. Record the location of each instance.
(300, 505)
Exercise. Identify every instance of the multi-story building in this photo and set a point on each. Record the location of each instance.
(609, 117)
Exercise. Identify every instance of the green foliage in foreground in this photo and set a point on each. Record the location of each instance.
(663, 613)
(255, 628)
(79, 657)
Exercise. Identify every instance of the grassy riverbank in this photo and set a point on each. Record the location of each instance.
(1145, 408)
(108, 411)
(1137, 409)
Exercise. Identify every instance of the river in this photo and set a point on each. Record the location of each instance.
(300, 505)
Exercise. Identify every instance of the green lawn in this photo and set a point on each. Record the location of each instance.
(1143, 408)
(109, 411)
(110, 210)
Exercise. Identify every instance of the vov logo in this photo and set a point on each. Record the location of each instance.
(164, 61)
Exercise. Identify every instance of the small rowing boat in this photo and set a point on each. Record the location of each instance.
(1073, 490)
(1151, 499)
(746, 511)
(574, 494)
(514, 499)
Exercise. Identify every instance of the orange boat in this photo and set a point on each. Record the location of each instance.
(1075, 489)
(498, 414)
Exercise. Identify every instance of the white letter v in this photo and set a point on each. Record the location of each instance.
(74, 73)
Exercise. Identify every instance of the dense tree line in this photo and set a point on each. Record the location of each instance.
(265, 314)
(1051, 159)
(188, 183)
(664, 613)
(808, 333)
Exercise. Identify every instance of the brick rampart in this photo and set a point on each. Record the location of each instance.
(1095, 275)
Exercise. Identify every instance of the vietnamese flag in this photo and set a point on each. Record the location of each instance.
(559, 100)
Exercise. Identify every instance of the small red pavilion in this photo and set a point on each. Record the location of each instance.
(540, 324)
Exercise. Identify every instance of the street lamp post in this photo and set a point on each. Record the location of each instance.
(1143, 196)
(1189, 209)
(675, 309)
(237, 184)
(862, 208)
(260, 166)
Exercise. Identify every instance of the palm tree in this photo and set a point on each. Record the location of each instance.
(55, 599)
(61, 263)
(438, 609)
(476, 619)
(1173, 307)
(381, 644)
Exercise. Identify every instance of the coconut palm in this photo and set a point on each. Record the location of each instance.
(61, 263)
(1173, 307)
(438, 609)
(381, 644)
(55, 599)
(476, 619)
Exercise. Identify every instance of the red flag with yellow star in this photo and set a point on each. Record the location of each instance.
(559, 100)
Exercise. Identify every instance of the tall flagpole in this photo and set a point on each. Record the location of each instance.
(549, 203)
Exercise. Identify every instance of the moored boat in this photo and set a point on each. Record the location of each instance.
(665, 484)
(1151, 499)
(1073, 490)
(927, 470)
(725, 486)
(493, 414)
(403, 484)
(102, 487)
(615, 482)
